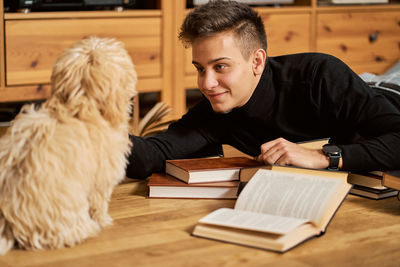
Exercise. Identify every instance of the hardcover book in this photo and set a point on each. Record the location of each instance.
(359, 1)
(368, 192)
(372, 180)
(162, 185)
(203, 170)
(245, 174)
(392, 179)
(277, 210)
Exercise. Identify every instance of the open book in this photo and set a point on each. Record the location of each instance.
(277, 210)
(155, 121)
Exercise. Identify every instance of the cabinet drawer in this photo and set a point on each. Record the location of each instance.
(32, 46)
(367, 41)
(286, 34)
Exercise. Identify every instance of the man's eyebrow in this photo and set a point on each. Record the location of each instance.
(211, 61)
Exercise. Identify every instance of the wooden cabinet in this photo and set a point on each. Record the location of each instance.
(32, 42)
(366, 37)
(33, 45)
(372, 44)
(287, 33)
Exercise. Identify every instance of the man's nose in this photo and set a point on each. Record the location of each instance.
(208, 81)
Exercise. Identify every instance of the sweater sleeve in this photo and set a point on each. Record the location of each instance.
(354, 107)
(189, 137)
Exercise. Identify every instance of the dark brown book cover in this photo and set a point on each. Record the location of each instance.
(204, 170)
(204, 164)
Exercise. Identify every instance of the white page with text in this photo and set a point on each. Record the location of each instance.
(252, 221)
(287, 194)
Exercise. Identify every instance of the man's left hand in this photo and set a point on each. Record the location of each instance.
(282, 152)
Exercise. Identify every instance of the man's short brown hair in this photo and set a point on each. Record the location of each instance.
(223, 16)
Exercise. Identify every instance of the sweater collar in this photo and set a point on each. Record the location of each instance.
(263, 97)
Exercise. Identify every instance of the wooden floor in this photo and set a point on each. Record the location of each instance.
(156, 232)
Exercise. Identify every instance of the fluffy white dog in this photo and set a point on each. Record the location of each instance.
(60, 162)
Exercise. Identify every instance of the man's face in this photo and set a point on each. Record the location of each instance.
(224, 77)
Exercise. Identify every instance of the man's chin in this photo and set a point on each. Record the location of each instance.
(221, 110)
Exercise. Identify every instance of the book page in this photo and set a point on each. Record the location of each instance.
(252, 221)
(287, 194)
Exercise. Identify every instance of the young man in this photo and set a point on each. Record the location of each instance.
(263, 106)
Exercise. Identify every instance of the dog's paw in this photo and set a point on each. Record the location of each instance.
(105, 220)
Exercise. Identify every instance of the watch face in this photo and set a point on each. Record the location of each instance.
(331, 149)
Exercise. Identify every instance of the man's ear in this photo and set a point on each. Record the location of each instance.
(259, 59)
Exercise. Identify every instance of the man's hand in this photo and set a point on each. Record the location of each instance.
(282, 152)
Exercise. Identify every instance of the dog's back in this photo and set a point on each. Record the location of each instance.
(43, 183)
(59, 162)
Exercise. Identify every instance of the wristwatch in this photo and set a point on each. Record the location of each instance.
(334, 153)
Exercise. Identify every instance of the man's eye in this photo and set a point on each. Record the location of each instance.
(199, 70)
(220, 67)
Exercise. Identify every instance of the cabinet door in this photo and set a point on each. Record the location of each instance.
(32, 46)
(367, 41)
(286, 34)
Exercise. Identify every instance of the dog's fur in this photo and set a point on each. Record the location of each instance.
(60, 162)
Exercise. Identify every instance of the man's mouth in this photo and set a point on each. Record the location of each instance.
(215, 96)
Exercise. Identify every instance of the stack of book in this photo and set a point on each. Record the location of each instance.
(216, 178)
(370, 185)
(391, 179)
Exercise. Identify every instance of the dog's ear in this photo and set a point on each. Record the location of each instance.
(96, 72)
(110, 80)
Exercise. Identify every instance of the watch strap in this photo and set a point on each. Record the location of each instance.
(334, 162)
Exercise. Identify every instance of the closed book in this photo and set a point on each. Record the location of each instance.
(392, 179)
(369, 179)
(162, 185)
(359, 1)
(245, 174)
(204, 170)
(277, 210)
(373, 193)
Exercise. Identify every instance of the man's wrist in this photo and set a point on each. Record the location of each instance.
(333, 154)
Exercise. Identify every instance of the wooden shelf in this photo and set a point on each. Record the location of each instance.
(358, 8)
(83, 14)
(164, 65)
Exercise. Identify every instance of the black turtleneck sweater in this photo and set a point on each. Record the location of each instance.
(299, 97)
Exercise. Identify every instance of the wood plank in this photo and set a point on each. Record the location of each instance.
(2, 63)
(359, 8)
(42, 91)
(180, 57)
(83, 14)
(156, 232)
(287, 33)
(24, 93)
(167, 59)
(372, 45)
(32, 46)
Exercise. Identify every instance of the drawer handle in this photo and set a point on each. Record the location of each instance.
(373, 37)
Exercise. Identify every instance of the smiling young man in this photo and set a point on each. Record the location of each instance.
(225, 77)
(263, 106)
